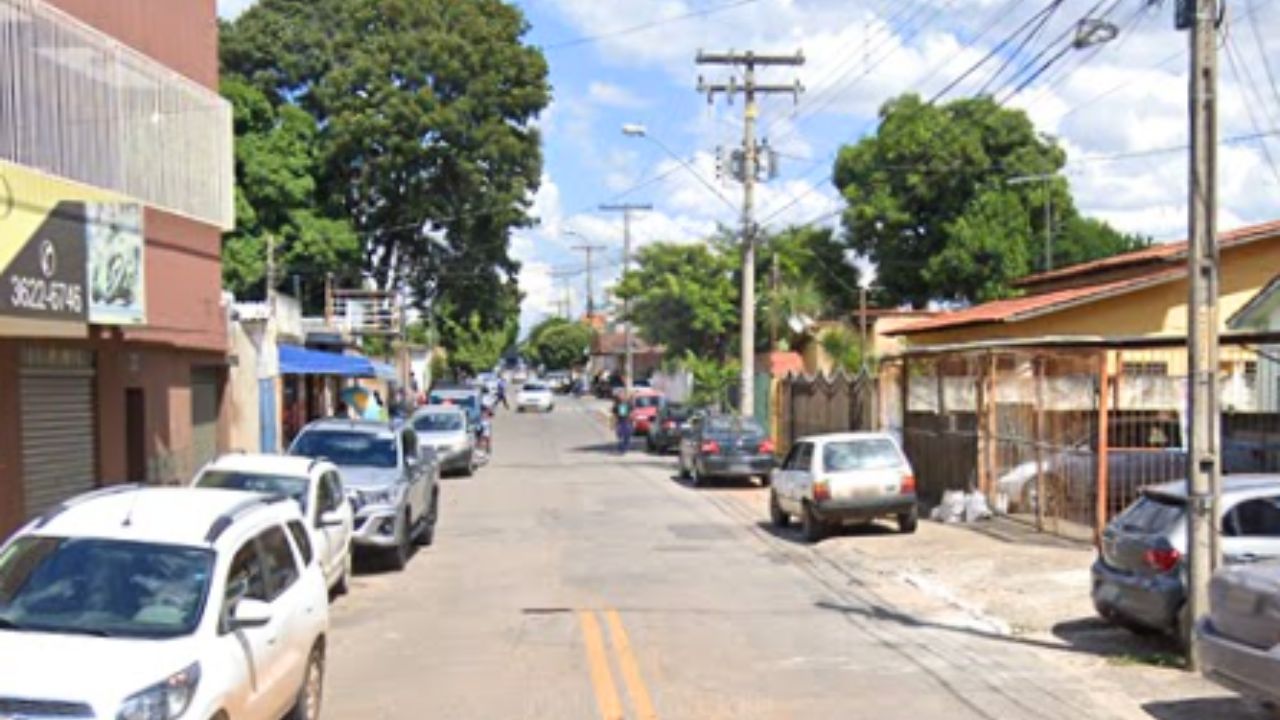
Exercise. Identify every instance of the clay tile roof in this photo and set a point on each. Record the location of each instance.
(1164, 251)
(1014, 309)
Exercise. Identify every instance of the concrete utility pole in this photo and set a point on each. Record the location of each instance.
(564, 305)
(750, 155)
(626, 209)
(589, 249)
(1204, 471)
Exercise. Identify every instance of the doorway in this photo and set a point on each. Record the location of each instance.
(135, 434)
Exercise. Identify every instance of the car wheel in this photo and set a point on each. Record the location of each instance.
(811, 527)
(311, 694)
(682, 472)
(649, 446)
(908, 521)
(400, 553)
(470, 468)
(779, 517)
(428, 533)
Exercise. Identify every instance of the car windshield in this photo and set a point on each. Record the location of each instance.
(348, 448)
(438, 422)
(866, 454)
(103, 588)
(678, 412)
(288, 486)
(467, 401)
(648, 401)
(733, 426)
(534, 387)
(1152, 513)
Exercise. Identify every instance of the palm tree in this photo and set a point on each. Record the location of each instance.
(844, 348)
(788, 301)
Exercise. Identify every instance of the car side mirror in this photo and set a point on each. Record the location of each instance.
(250, 613)
(329, 519)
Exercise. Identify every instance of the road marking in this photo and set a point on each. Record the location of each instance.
(598, 663)
(636, 688)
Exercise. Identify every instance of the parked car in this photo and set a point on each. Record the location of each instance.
(830, 480)
(607, 385)
(1142, 450)
(392, 485)
(316, 485)
(664, 434)
(535, 395)
(470, 399)
(1239, 643)
(443, 429)
(725, 446)
(645, 404)
(560, 381)
(1139, 576)
(137, 602)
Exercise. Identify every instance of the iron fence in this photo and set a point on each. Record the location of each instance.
(1066, 436)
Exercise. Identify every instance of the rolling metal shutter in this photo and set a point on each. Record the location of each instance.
(59, 455)
(204, 414)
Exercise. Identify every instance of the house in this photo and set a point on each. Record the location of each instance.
(1138, 294)
(113, 332)
(1262, 314)
(882, 325)
(608, 354)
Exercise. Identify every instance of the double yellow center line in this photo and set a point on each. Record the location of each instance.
(607, 698)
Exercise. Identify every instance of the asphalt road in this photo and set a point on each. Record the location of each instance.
(571, 584)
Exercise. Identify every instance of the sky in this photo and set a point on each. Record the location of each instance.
(1119, 109)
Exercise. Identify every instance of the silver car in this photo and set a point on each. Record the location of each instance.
(445, 431)
(829, 480)
(1239, 642)
(392, 485)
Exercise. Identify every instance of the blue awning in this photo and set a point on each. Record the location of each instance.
(383, 371)
(296, 360)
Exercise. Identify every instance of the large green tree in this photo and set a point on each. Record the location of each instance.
(930, 202)
(560, 345)
(423, 114)
(276, 197)
(684, 297)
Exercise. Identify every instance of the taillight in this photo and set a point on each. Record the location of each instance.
(766, 446)
(821, 490)
(711, 447)
(1163, 560)
(908, 484)
(668, 425)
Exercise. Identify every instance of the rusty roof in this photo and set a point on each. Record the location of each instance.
(1022, 308)
(1164, 251)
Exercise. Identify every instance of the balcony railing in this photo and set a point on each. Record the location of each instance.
(78, 104)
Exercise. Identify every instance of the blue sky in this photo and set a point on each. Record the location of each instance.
(1114, 109)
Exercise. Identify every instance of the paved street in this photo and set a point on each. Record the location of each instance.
(568, 583)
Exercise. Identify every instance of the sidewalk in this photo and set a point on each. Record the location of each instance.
(1000, 577)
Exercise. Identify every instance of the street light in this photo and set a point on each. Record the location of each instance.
(636, 130)
(1045, 178)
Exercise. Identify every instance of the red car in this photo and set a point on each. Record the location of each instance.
(645, 405)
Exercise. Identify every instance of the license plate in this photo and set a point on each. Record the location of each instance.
(740, 467)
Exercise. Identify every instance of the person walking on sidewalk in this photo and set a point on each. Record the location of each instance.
(502, 394)
(622, 422)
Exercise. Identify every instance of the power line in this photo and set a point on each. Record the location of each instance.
(649, 25)
(1046, 16)
(993, 52)
(1233, 63)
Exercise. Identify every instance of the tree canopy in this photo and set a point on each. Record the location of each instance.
(683, 297)
(930, 202)
(418, 115)
(557, 343)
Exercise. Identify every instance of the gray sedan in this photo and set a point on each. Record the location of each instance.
(1239, 642)
(1139, 576)
(446, 431)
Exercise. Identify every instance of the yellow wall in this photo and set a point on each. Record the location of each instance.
(1159, 310)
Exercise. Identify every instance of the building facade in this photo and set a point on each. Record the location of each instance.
(116, 184)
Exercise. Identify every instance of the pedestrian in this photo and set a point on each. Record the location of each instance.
(342, 411)
(622, 422)
(486, 431)
(502, 393)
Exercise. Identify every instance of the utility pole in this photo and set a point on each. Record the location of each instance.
(1047, 179)
(590, 249)
(271, 272)
(564, 304)
(1204, 478)
(749, 61)
(626, 209)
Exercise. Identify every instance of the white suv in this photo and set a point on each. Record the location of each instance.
(317, 487)
(163, 603)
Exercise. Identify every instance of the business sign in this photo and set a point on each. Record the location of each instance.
(69, 252)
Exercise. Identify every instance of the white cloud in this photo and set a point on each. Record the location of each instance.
(230, 9)
(615, 96)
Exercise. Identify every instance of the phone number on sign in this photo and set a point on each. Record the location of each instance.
(42, 295)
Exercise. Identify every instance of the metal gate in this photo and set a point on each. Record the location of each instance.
(59, 452)
(825, 404)
(204, 415)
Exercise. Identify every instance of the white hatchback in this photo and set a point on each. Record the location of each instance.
(535, 396)
(162, 603)
(316, 485)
